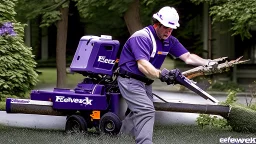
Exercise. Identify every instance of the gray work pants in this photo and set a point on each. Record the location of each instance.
(140, 121)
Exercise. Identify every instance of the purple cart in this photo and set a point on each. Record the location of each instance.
(94, 102)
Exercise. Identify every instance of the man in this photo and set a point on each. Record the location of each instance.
(140, 61)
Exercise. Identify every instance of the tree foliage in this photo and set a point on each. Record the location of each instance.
(47, 9)
(89, 8)
(103, 17)
(242, 14)
(17, 74)
(106, 14)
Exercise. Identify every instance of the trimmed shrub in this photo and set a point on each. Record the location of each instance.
(17, 64)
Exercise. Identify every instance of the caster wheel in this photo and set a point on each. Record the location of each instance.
(110, 123)
(76, 124)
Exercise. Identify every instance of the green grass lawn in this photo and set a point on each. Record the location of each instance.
(48, 78)
(171, 134)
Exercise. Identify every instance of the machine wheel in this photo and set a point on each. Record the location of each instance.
(76, 124)
(110, 123)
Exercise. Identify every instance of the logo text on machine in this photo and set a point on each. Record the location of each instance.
(19, 101)
(103, 59)
(85, 101)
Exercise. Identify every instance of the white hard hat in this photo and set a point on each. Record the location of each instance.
(168, 17)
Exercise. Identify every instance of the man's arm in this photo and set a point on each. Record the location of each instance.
(193, 59)
(148, 69)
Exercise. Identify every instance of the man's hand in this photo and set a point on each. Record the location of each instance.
(164, 75)
(167, 76)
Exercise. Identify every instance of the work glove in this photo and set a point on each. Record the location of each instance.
(167, 76)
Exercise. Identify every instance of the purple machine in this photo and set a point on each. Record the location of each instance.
(95, 102)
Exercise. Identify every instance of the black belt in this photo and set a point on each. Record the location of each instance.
(126, 74)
